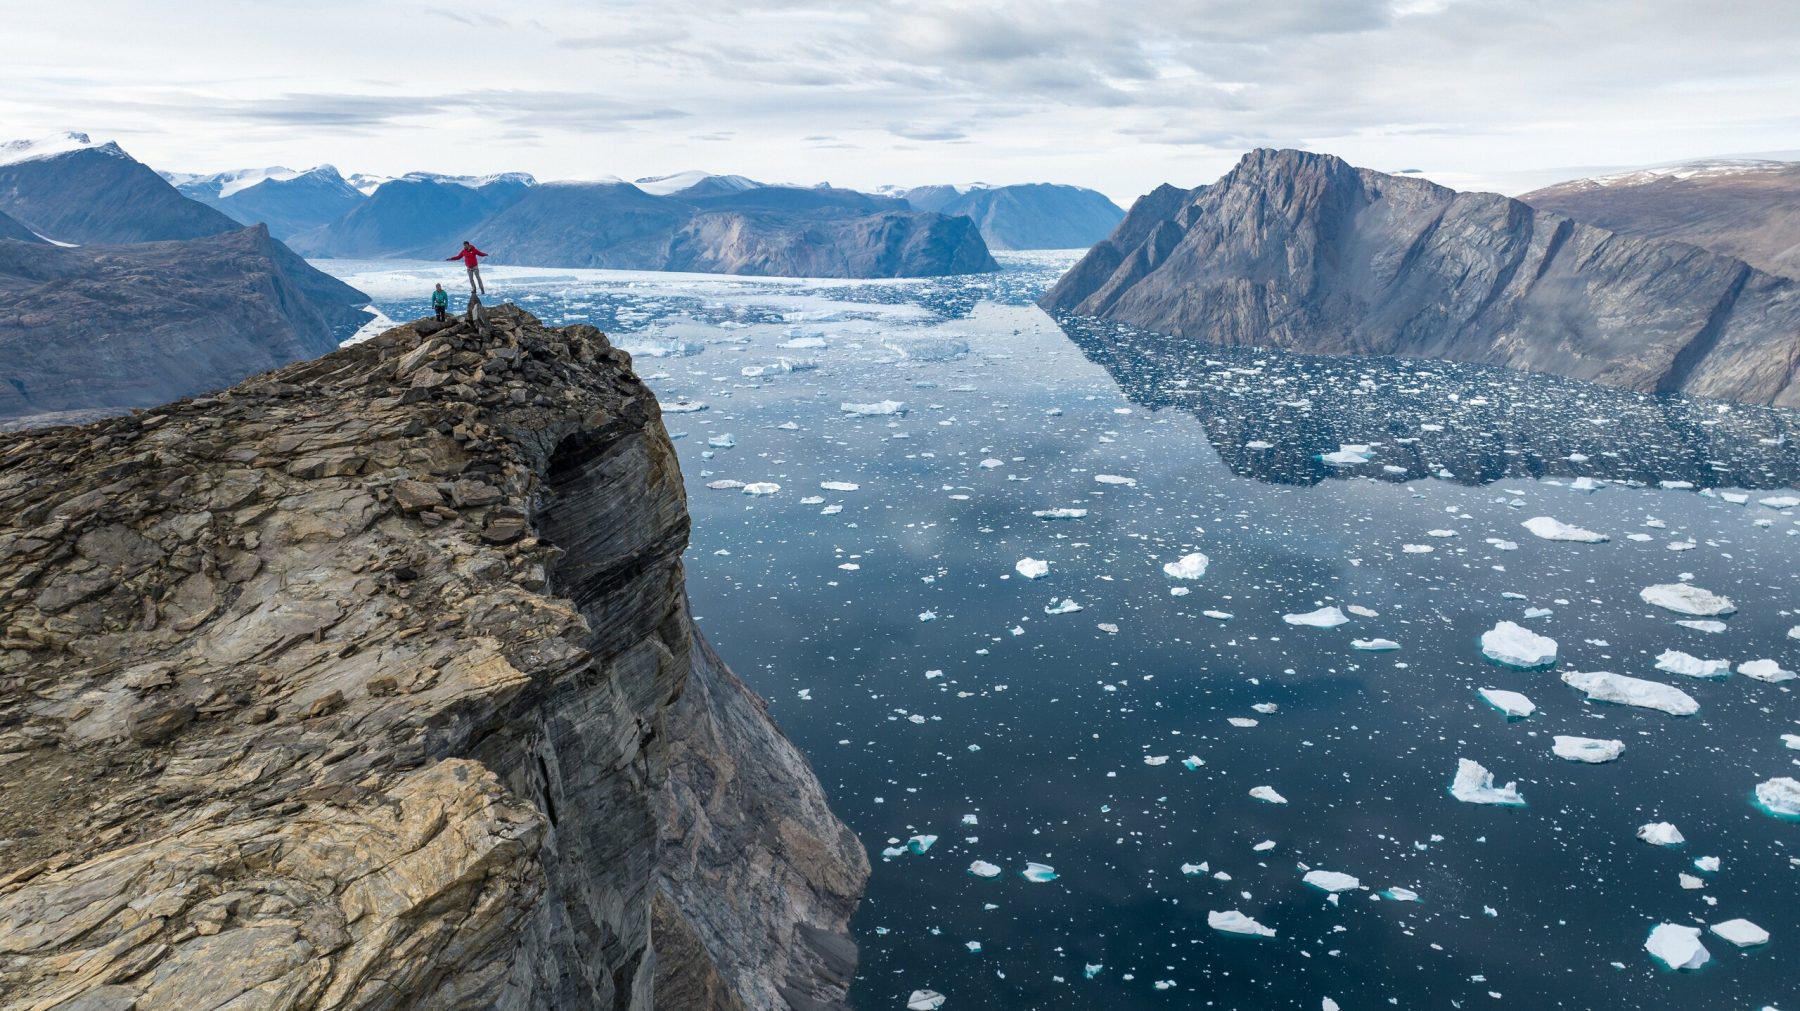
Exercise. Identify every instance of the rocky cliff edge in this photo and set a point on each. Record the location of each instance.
(370, 683)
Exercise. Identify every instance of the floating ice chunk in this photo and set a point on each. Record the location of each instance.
(1267, 795)
(684, 407)
(1091, 969)
(722, 441)
(1189, 566)
(1218, 615)
(1060, 514)
(983, 869)
(782, 366)
(1586, 484)
(1734, 497)
(1475, 785)
(788, 426)
(1233, 922)
(1689, 882)
(990, 463)
(813, 500)
(1503, 545)
(1332, 881)
(1676, 662)
(1193, 870)
(1514, 705)
(1192, 762)
(1037, 872)
(920, 843)
(925, 1000)
(1741, 932)
(1374, 645)
(1264, 846)
(724, 485)
(1417, 549)
(1258, 444)
(1398, 894)
(839, 485)
(1661, 833)
(1794, 633)
(1065, 606)
(1708, 626)
(1156, 759)
(1779, 796)
(1514, 645)
(927, 615)
(1791, 740)
(1538, 612)
(1710, 865)
(1765, 670)
(1348, 455)
(878, 408)
(805, 344)
(1602, 686)
(1779, 501)
(1324, 617)
(1328, 1005)
(1587, 749)
(973, 946)
(1179, 591)
(1241, 721)
(1033, 568)
(761, 488)
(1265, 708)
(927, 349)
(1129, 482)
(1683, 598)
(1677, 947)
(1551, 529)
(832, 510)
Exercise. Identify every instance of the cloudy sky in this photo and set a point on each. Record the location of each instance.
(1119, 95)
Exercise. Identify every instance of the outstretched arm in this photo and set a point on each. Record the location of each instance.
(479, 253)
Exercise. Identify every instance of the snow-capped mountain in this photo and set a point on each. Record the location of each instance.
(288, 201)
(1025, 216)
(709, 183)
(71, 190)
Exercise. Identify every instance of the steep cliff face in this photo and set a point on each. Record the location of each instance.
(1304, 252)
(1026, 215)
(370, 683)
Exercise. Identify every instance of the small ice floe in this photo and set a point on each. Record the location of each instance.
(1348, 455)
(990, 463)
(1587, 749)
(1332, 881)
(685, 407)
(1108, 627)
(1538, 612)
(1779, 501)
(973, 946)
(1129, 482)
(724, 485)
(1779, 796)
(1683, 598)
(1708, 626)
(1791, 740)
(1091, 969)
(813, 500)
(722, 441)
(1037, 872)
(1514, 645)
(1417, 549)
(1264, 846)
(1398, 894)
(1586, 484)
(1503, 545)
(920, 843)
(1661, 833)
(1267, 795)
(983, 869)
(1218, 615)
(805, 344)
(1265, 708)
(1156, 759)
(1233, 922)
(782, 367)
(1033, 568)
(1514, 705)
(1240, 721)
(1188, 566)
(1677, 947)
(1192, 762)
(1193, 870)
(1676, 662)
(839, 485)
(832, 510)
(878, 408)
(1324, 617)
(925, 1000)
(1060, 514)
(1603, 686)
(1475, 785)
(927, 615)
(1709, 865)
(1551, 529)
(1765, 670)
(1741, 932)
(788, 426)
(1066, 605)
(1689, 882)
(1374, 645)
(927, 349)
(761, 488)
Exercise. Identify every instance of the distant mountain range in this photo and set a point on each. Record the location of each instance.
(1304, 252)
(1027, 216)
(1747, 208)
(288, 202)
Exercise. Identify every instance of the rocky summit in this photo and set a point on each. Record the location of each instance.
(1304, 252)
(370, 683)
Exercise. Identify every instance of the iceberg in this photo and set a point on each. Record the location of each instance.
(1676, 662)
(761, 488)
(1791, 740)
(1514, 645)
(1267, 795)
(1348, 455)
(1233, 922)
(1324, 617)
(724, 485)
(983, 869)
(1551, 529)
(722, 441)
(927, 349)
(1332, 881)
(1765, 670)
(1475, 785)
(1710, 627)
(1683, 598)
(1189, 566)
(920, 843)
(1779, 796)
(1033, 568)
(1129, 482)
(868, 410)
(1661, 833)
(925, 1000)
(1741, 932)
(1514, 705)
(1779, 501)
(1398, 894)
(1066, 606)
(839, 485)
(1587, 749)
(1677, 947)
(1039, 873)
(1374, 645)
(684, 407)
(1602, 686)
(1060, 514)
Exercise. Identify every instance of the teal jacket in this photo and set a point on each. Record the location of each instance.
(439, 299)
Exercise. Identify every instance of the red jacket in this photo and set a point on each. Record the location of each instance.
(467, 256)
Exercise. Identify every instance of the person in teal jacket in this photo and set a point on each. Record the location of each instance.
(440, 302)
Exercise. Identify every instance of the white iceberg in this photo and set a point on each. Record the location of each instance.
(1039, 873)
(722, 441)
(839, 485)
(1374, 645)
(1709, 627)
(1677, 947)
(1514, 645)
(1233, 922)
(1602, 686)
(878, 408)
(1129, 482)
(1676, 662)
(1332, 881)
(1324, 617)
(1661, 833)
(1741, 932)
(983, 869)
(1779, 501)
(1551, 529)
(1060, 514)
(1348, 455)
(1765, 670)
(1033, 568)
(724, 485)
(920, 843)
(925, 1000)
(1398, 894)
(1587, 749)
(1780, 796)
(1683, 598)
(1513, 704)
(1475, 785)
(1190, 566)
(1267, 795)
(761, 488)
(684, 407)
(1066, 606)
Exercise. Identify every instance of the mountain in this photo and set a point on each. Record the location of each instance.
(761, 230)
(695, 183)
(418, 215)
(1301, 251)
(1746, 208)
(11, 229)
(1027, 216)
(372, 683)
(72, 190)
(93, 330)
(289, 202)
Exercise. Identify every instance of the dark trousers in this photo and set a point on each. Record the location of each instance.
(441, 312)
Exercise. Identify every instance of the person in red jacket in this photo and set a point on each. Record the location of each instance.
(468, 255)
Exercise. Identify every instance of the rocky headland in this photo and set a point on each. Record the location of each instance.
(370, 683)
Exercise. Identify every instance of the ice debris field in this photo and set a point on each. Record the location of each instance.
(1159, 675)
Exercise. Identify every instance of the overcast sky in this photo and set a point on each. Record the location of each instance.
(1119, 95)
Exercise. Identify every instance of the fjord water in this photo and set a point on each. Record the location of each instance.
(898, 643)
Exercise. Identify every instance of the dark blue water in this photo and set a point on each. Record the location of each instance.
(1043, 727)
